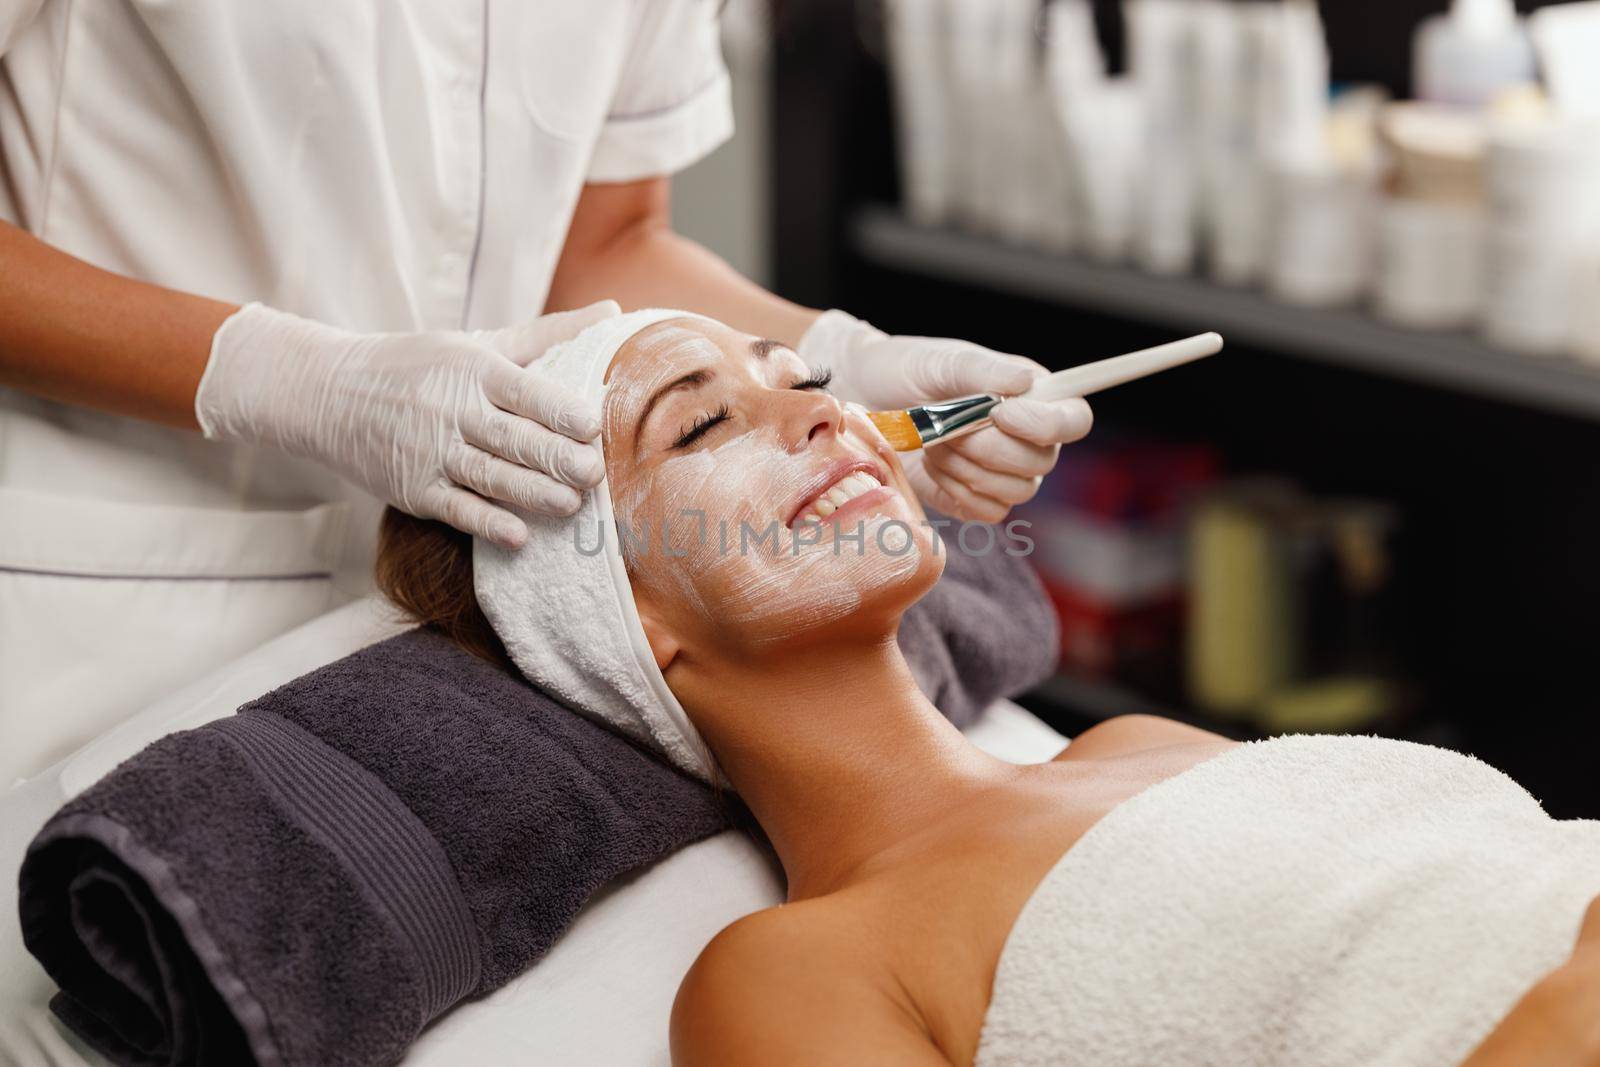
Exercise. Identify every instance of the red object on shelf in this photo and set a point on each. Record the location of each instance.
(1108, 528)
(1137, 479)
(1099, 640)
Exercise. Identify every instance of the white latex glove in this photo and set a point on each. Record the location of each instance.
(981, 476)
(438, 424)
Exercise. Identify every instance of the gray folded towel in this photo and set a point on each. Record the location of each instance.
(317, 877)
(987, 631)
(313, 880)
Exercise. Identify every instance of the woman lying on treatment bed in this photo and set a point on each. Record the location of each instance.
(1156, 894)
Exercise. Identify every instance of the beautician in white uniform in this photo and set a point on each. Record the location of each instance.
(376, 199)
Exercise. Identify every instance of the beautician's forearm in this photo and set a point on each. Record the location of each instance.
(72, 332)
(621, 247)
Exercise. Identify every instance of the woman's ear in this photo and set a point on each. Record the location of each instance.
(664, 644)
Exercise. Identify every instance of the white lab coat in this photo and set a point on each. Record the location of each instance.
(374, 164)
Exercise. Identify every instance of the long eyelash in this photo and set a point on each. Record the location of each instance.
(819, 379)
(702, 426)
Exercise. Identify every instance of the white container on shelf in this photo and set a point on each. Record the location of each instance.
(919, 81)
(1230, 43)
(1101, 125)
(1320, 230)
(1073, 57)
(972, 30)
(1567, 40)
(1544, 177)
(1027, 170)
(1586, 320)
(1008, 191)
(1322, 248)
(1162, 62)
(1431, 261)
(1437, 151)
(1107, 149)
(1293, 107)
(1060, 222)
(1237, 226)
(1467, 56)
(1543, 185)
(1529, 306)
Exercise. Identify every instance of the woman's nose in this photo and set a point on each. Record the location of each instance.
(814, 417)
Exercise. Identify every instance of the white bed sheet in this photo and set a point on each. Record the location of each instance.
(602, 995)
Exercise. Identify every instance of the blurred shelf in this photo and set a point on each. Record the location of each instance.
(1097, 699)
(1347, 338)
(1075, 703)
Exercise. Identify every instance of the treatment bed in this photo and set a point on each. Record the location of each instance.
(602, 995)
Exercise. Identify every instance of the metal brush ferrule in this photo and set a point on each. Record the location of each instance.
(953, 418)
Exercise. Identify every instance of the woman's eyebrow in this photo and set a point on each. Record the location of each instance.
(693, 380)
(763, 347)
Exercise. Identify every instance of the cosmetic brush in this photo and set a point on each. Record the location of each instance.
(927, 424)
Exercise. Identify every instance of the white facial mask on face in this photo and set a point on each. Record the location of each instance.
(715, 517)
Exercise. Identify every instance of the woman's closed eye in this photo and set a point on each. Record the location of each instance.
(818, 379)
(710, 420)
(703, 425)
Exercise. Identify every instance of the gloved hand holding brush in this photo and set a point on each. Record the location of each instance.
(983, 475)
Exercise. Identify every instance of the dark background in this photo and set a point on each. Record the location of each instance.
(1501, 502)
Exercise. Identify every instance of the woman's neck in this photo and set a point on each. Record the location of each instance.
(838, 755)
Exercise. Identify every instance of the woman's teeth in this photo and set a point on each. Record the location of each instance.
(842, 492)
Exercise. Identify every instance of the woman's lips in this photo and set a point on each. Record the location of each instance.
(829, 477)
(857, 507)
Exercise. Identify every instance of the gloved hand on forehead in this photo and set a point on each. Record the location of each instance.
(446, 425)
(984, 475)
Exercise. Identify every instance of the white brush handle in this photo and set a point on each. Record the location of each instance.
(1119, 370)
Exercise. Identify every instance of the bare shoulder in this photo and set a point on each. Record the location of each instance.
(748, 987)
(1554, 1024)
(745, 954)
(786, 986)
(1128, 734)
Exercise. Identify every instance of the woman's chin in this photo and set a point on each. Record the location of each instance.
(897, 568)
(914, 584)
(859, 603)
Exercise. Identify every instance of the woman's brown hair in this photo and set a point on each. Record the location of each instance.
(425, 568)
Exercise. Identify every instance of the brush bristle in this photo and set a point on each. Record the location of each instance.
(898, 429)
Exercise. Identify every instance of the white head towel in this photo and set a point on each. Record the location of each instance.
(565, 611)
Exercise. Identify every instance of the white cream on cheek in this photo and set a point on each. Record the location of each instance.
(768, 591)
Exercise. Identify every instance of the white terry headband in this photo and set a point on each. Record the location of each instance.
(562, 604)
